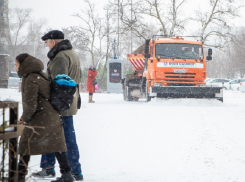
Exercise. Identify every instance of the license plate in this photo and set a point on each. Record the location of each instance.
(180, 71)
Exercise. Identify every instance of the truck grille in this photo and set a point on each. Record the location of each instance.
(181, 84)
(180, 75)
(179, 80)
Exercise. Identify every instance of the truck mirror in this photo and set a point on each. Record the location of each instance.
(147, 41)
(209, 58)
(147, 55)
(210, 52)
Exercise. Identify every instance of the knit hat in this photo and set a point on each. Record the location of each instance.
(90, 66)
(54, 34)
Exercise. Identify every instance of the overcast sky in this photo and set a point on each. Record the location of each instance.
(58, 12)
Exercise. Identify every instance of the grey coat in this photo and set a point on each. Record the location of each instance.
(63, 60)
(38, 112)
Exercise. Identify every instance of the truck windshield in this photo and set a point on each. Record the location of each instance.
(179, 51)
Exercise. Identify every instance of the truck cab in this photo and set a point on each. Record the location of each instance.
(176, 62)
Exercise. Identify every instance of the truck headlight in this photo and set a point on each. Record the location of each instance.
(157, 84)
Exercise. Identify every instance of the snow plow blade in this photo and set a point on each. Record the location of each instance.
(187, 92)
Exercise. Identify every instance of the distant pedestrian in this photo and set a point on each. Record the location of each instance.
(63, 60)
(38, 112)
(92, 73)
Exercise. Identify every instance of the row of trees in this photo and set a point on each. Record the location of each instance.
(229, 61)
(22, 34)
(94, 36)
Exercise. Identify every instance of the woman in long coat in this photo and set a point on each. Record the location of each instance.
(39, 116)
(92, 73)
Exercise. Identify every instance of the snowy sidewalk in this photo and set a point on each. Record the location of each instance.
(179, 140)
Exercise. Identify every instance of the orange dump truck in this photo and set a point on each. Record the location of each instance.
(169, 68)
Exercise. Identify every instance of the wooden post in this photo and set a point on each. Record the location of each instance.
(12, 136)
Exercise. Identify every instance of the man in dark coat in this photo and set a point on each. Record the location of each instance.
(63, 60)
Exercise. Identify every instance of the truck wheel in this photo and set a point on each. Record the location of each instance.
(127, 91)
(221, 99)
(128, 94)
(148, 98)
(124, 91)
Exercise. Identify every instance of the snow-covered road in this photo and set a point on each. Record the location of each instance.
(179, 140)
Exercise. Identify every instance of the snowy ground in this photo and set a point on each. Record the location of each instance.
(179, 140)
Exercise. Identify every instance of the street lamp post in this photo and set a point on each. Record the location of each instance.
(100, 35)
(118, 28)
(131, 27)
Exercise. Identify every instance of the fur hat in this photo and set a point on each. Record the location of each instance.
(54, 34)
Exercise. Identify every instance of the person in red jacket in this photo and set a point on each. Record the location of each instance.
(90, 78)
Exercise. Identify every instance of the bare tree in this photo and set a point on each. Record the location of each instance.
(108, 31)
(237, 51)
(214, 22)
(132, 27)
(131, 22)
(19, 19)
(228, 61)
(89, 30)
(132, 16)
(167, 14)
(23, 34)
(93, 36)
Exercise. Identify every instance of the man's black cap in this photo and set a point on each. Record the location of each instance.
(54, 34)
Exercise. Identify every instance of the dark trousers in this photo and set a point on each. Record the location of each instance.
(48, 160)
(61, 157)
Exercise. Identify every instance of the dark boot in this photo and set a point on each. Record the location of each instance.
(65, 177)
(22, 167)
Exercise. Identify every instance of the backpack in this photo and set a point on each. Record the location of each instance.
(62, 90)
